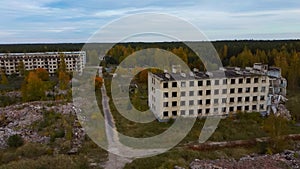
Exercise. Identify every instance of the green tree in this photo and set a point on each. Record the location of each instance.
(15, 141)
(294, 70)
(21, 68)
(276, 127)
(62, 66)
(63, 76)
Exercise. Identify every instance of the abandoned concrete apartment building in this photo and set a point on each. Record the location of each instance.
(9, 62)
(198, 94)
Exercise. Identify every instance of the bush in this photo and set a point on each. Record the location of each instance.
(59, 133)
(32, 150)
(15, 141)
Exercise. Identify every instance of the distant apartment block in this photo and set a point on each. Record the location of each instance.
(220, 92)
(9, 62)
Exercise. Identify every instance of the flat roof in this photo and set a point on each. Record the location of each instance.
(207, 75)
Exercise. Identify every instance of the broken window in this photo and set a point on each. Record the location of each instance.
(166, 113)
(224, 109)
(208, 83)
(241, 81)
(207, 102)
(199, 102)
(174, 84)
(174, 103)
(261, 107)
(240, 99)
(255, 89)
(165, 85)
(166, 104)
(232, 81)
(248, 80)
(199, 111)
(200, 83)
(232, 100)
(239, 108)
(246, 108)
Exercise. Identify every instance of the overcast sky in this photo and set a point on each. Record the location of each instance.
(50, 21)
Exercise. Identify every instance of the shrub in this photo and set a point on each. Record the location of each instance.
(59, 133)
(15, 141)
(31, 150)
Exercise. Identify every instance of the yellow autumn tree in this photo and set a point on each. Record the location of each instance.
(63, 76)
(33, 88)
(3, 78)
(98, 82)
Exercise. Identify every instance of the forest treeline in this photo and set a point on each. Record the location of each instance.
(281, 53)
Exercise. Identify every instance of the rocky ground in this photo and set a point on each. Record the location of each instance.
(286, 159)
(18, 119)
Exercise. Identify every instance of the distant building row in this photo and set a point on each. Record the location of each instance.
(9, 62)
(214, 93)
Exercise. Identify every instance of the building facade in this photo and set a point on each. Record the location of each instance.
(200, 94)
(9, 62)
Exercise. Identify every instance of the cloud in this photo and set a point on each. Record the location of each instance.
(37, 21)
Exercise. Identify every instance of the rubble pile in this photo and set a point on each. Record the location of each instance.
(18, 119)
(288, 158)
(284, 112)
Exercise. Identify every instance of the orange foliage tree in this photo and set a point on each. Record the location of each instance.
(33, 87)
(98, 82)
(42, 74)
